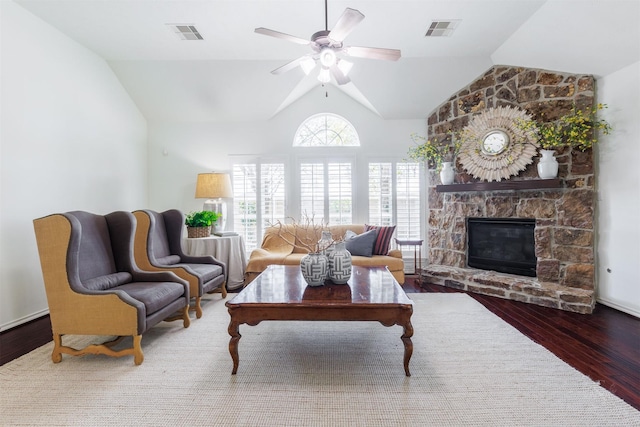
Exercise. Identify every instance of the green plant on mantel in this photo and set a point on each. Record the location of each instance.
(436, 151)
(577, 129)
(201, 219)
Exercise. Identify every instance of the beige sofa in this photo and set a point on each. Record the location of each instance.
(275, 250)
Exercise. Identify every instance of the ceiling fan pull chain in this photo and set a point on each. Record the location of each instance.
(326, 16)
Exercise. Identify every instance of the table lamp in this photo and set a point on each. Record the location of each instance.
(214, 187)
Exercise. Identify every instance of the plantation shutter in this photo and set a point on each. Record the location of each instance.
(380, 194)
(273, 194)
(312, 190)
(340, 193)
(408, 224)
(326, 192)
(245, 203)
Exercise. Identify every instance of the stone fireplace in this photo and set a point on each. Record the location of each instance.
(563, 209)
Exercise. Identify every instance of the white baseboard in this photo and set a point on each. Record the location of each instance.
(24, 319)
(619, 307)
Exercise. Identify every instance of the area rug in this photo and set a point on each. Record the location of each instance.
(469, 368)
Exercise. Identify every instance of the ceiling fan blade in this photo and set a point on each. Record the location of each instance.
(341, 79)
(289, 65)
(279, 35)
(373, 53)
(346, 23)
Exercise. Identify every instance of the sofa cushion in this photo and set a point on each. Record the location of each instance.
(154, 295)
(107, 281)
(392, 263)
(293, 259)
(275, 244)
(384, 238)
(361, 244)
(168, 260)
(205, 272)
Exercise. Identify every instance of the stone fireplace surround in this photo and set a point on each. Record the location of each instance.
(563, 209)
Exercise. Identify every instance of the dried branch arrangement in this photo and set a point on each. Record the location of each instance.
(309, 240)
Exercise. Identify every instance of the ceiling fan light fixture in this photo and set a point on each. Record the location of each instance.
(307, 65)
(324, 76)
(327, 57)
(345, 66)
(327, 45)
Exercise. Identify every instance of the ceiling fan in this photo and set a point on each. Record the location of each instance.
(326, 47)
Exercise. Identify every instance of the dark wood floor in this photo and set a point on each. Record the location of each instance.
(604, 345)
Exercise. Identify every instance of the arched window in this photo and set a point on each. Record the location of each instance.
(326, 130)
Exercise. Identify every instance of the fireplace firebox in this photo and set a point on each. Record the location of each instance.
(505, 245)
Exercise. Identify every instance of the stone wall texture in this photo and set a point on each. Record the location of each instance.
(564, 233)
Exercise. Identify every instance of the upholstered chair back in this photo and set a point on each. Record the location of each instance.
(95, 255)
(174, 226)
(104, 258)
(165, 232)
(158, 240)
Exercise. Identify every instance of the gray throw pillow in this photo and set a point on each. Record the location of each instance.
(361, 244)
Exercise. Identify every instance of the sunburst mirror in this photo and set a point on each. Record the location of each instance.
(494, 147)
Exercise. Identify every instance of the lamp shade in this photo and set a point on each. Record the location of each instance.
(213, 185)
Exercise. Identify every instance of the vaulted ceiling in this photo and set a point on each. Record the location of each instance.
(226, 76)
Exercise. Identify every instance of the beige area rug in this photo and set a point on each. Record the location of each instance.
(469, 368)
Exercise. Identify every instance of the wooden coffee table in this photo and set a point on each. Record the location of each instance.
(280, 293)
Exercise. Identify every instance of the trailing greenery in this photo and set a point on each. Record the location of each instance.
(201, 219)
(577, 129)
(436, 151)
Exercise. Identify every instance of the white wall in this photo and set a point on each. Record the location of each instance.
(71, 139)
(618, 186)
(186, 149)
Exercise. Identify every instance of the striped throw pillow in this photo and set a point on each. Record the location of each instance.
(383, 241)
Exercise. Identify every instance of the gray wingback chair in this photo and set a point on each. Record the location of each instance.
(158, 247)
(94, 287)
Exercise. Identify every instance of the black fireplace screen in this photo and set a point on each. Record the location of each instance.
(506, 245)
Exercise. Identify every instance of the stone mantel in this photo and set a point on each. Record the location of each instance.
(563, 208)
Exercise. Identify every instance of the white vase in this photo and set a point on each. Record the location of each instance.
(547, 165)
(315, 268)
(339, 264)
(325, 244)
(447, 173)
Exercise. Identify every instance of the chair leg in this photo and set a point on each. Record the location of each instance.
(223, 289)
(56, 354)
(198, 308)
(186, 320)
(138, 356)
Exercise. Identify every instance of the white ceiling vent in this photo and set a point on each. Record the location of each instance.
(185, 31)
(442, 28)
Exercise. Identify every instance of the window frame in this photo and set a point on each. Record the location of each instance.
(304, 124)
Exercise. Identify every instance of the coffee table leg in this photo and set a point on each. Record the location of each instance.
(408, 345)
(234, 331)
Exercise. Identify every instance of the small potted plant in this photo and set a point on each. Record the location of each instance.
(199, 223)
(440, 154)
(577, 129)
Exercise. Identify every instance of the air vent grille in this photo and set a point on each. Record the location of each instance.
(442, 28)
(185, 31)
